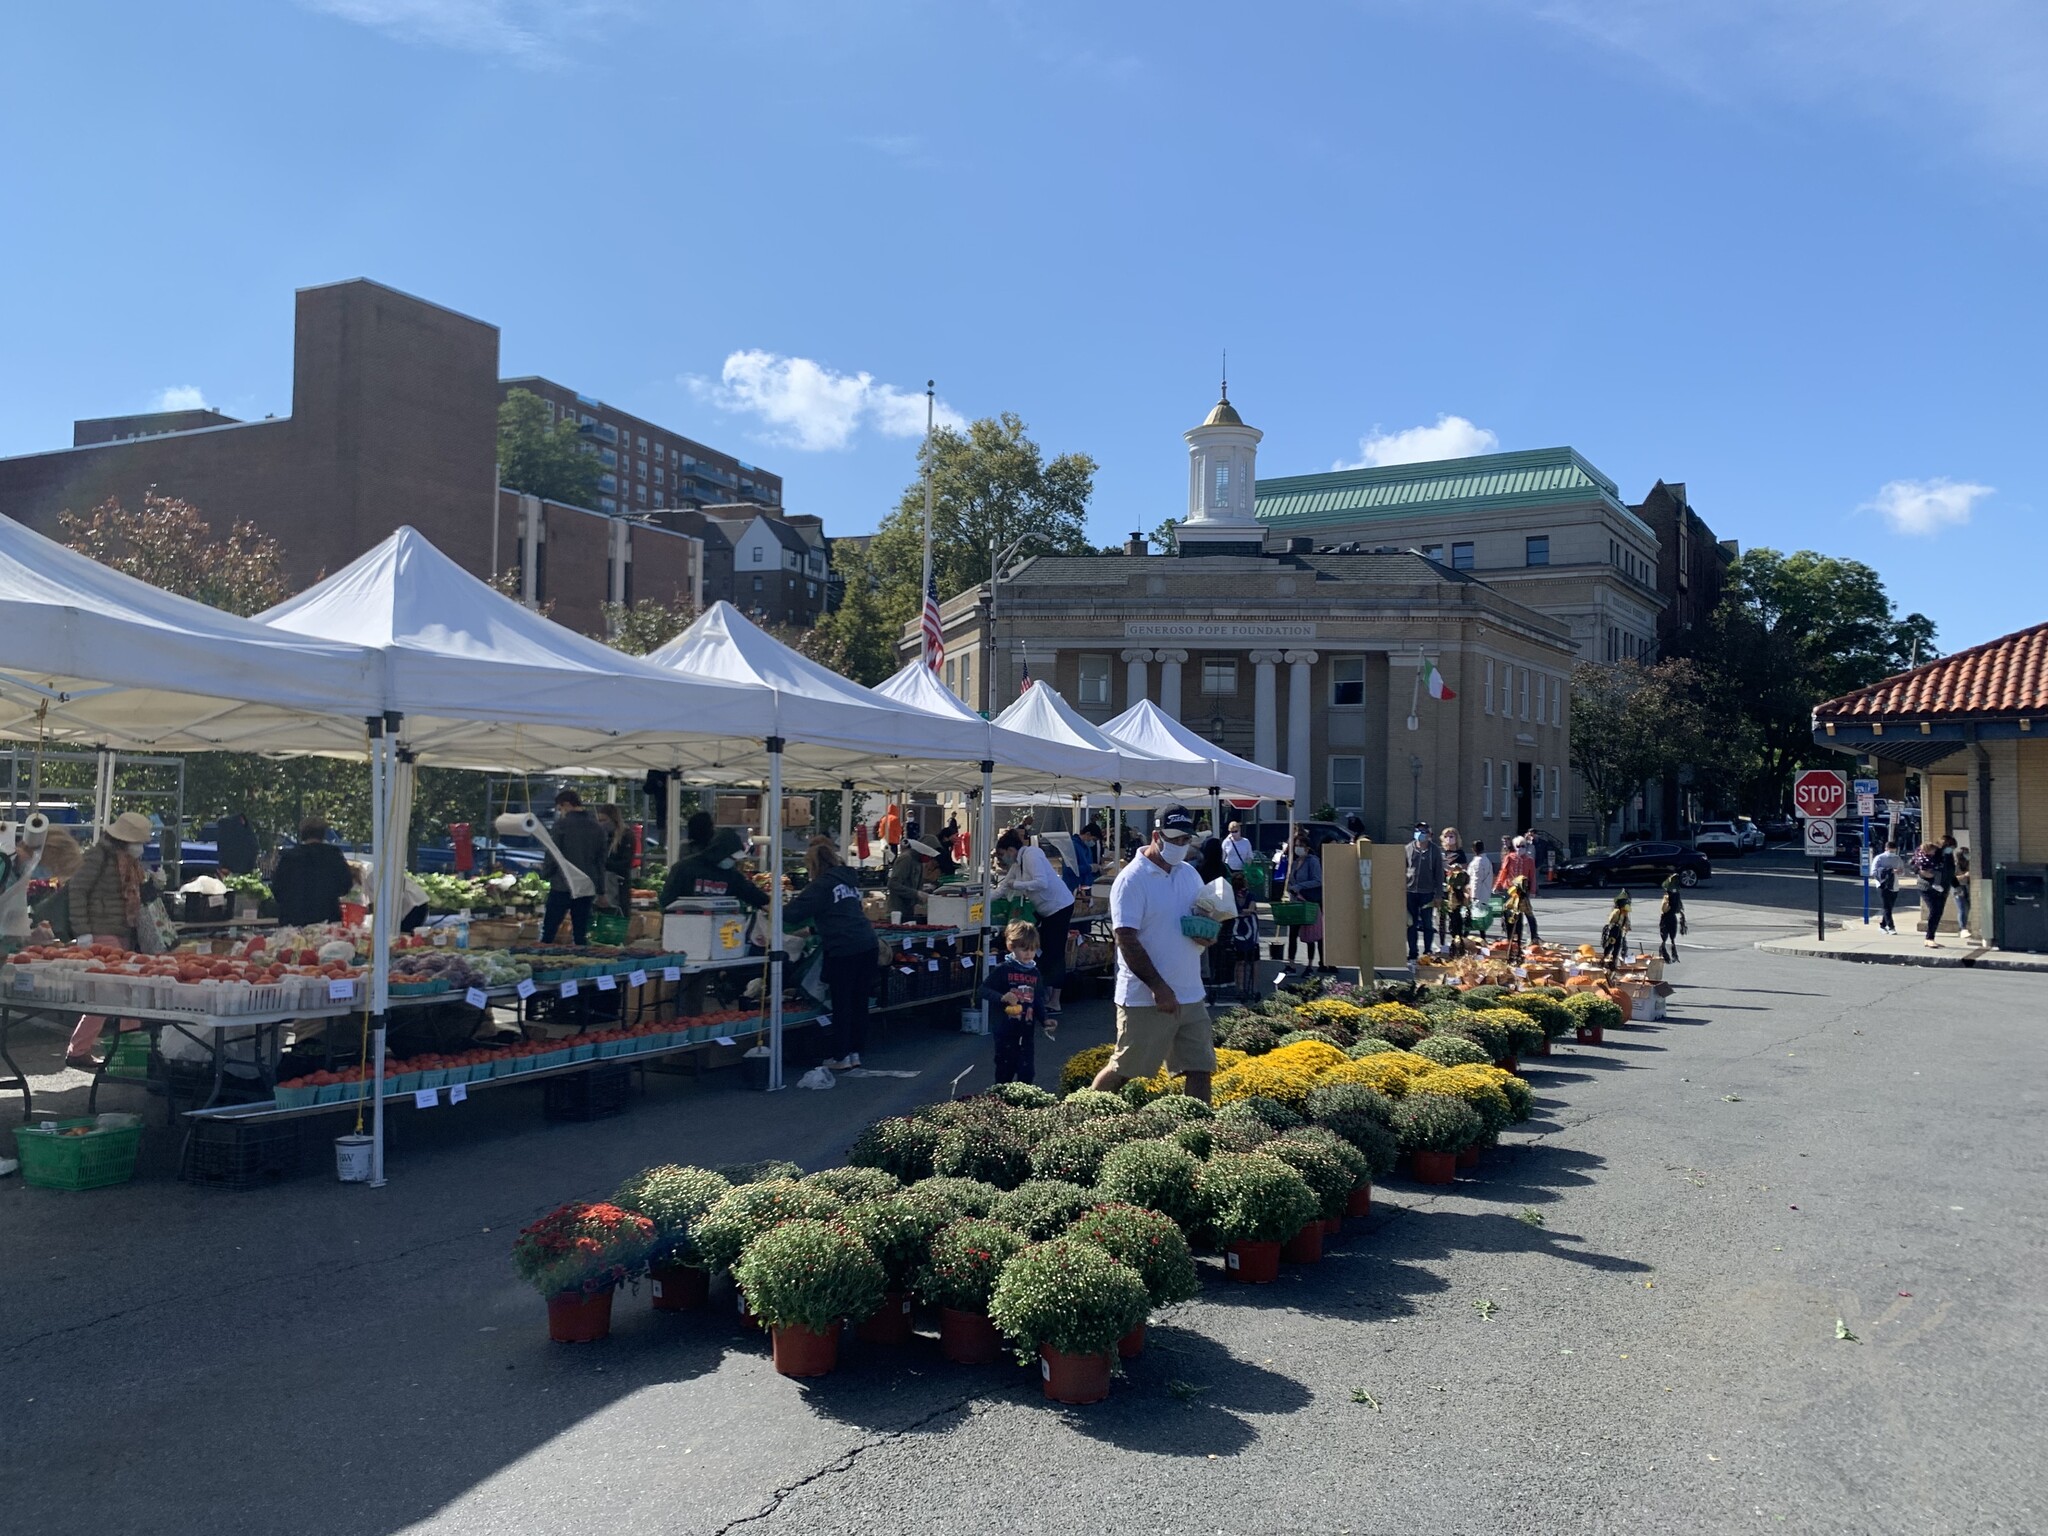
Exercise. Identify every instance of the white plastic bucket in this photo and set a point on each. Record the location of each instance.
(973, 1021)
(352, 1158)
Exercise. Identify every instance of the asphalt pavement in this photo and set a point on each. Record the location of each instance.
(1769, 1264)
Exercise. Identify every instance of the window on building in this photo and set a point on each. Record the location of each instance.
(1536, 790)
(1536, 549)
(1222, 496)
(1347, 681)
(1094, 680)
(1557, 703)
(1507, 789)
(1556, 797)
(1347, 783)
(1525, 693)
(810, 589)
(1219, 676)
(1489, 685)
(1461, 557)
(952, 675)
(760, 555)
(606, 504)
(640, 468)
(660, 475)
(1541, 683)
(1486, 787)
(641, 492)
(641, 444)
(1434, 552)
(757, 584)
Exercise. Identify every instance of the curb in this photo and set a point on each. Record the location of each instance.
(1976, 959)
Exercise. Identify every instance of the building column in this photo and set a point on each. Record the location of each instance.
(1169, 681)
(1265, 709)
(1134, 676)
(1299, 704)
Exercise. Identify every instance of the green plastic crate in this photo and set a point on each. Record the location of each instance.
(1200, 927)
(96, 1161)
(129, 1059)
(1294, 914)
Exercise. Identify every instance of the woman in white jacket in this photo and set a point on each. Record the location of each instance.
(1029, 873)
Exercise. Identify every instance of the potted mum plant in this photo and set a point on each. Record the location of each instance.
(959, 1278)
(1151, 1245)
(674, 1199)
(1041, 1208)
(1362, 1116)
(748, 1210)
(1158, 1175)
(1593, 1015)
(1433, 1128)
(1525, 1035)
(803, 1279)
(898, 1231)
(1357, 1172)
(1551, 1016)
(1068, 1302)
(575, 1256)
(902, 1146)
(1328, 1179)
(1252, 1203)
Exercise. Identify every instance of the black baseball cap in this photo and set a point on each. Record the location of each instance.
(1176, 818)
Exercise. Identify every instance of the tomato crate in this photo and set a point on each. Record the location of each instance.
(103, 1156)
(242, 1155)
(597, 1094)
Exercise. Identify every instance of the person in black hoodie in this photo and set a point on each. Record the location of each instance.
(584, 845)
(830, 904)
(310, 879)
(712, 870)
(1011, 995)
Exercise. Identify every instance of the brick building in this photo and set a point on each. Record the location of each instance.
(774, 569)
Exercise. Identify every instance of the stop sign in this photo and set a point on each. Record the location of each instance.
(1820, 793)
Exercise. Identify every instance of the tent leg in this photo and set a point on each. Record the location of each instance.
(1116, 831)
(845, 816)
(672, 816)
(984, 847)
(773, 1004)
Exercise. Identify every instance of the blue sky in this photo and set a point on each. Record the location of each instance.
(1791, 254)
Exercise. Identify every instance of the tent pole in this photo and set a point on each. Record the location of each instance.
(1216, 798)
(1116, 835)
(773, 1003)
(378, 978)
(672, 816)
(984, 846)
(845, 816)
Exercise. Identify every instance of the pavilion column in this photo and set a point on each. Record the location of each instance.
(1265, 709)
(1134, 676)
(1169, 681)
(1299, 705)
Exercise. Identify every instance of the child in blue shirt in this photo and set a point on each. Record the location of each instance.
(1011, 995)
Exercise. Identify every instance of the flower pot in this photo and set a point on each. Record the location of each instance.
(574, 1318)
(747, 1318)
(890, 1322)
(1306, 1246)
(1132, 1344)
(1468, 1157)
(800, 1352)
(1434, 1167)
(1252, 1263)
(968, 1338)
(1075, 1378)
(1510, 1063)
(678, 1287)
(1591, 1036)
(1333, 1226)
(1544, 1048)
(1360, 1202)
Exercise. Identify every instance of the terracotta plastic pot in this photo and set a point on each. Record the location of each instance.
(1544, 1048)
(800, 1352)
(1360, 1203)
(747, 1318)
(1075, 1378)
(1591, 1036)
(1510, 1063)
(575, 1318)
(1252, 1263)
(968, 1338)
(890, 1322)
(1468, 1157)
(1333, 1226)
(1306, 1246)
(1434, 1167)
(1132, 1344)
(678, 1287)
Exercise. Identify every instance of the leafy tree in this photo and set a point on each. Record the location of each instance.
(171, 546)
(856, 639)
(1632, 723)
(991, 483)
(1166, 536)
(542, 456)
(648, 625)
(1791, 631)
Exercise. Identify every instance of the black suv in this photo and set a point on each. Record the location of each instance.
(1639, 864)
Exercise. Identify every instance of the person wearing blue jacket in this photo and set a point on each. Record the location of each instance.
(1011, 994)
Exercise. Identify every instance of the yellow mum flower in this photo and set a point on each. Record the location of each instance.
(1314, 1055)
(1264, 1078)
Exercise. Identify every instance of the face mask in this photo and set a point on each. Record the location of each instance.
(725, 863)
(1027, 963)
(1172, 853)
(1422, 837)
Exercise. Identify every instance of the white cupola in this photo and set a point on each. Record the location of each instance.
(1222, 476)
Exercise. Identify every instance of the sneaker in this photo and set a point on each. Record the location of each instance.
(8, 1165)
(840, 1064)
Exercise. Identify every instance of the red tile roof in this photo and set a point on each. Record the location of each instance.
(1997, 680)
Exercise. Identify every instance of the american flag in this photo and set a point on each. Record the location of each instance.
(934, 634)
(1024, 679)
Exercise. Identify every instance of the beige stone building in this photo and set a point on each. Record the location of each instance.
(1314, 663)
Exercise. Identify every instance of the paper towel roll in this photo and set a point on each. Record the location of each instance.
(518, 824)
(35, 831)
(528, 825)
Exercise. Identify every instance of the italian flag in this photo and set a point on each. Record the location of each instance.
(1434, 682)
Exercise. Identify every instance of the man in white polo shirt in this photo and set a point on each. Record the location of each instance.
(1237, 848)
(1162, 1012)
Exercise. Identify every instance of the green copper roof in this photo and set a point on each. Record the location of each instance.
(1537, 477)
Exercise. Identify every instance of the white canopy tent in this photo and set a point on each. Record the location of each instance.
(1147, 728)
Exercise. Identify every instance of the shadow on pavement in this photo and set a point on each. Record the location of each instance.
(1186, 1396)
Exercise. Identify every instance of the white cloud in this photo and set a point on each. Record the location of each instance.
(1453, 437)
(810, 406)
(180, 397)
(1974, 64)
(527, 31)
(1925, 507)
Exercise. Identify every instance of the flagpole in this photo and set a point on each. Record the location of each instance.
(924, 587)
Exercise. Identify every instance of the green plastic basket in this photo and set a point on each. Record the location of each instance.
(95, 1161)
(608, 928)
(1200, 927)
(1294, 914)
(129, 1059)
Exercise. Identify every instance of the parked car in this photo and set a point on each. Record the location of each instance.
(1269, 837)
(1719, 840)
(1639, 864)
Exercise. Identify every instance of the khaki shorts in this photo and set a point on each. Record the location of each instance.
(1147, 1040)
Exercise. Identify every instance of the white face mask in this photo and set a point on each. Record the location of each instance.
(725, 863)
(1172, 853)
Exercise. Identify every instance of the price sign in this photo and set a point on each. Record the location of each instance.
(607, 983)
(341, 991)
(725, 1040)
(671, 973)
(1820, 793)
(569, 989)
(931, 965)
(637, 979)
(477, 997)
(458, 1092)
(426, 1098)
(527, 989)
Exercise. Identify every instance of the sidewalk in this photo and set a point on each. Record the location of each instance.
(1853, 940)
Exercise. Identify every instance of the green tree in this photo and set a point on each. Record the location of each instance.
(1632, 723)
(170, 545)
(542, 456)
(1790, 632)
(990, 484)
(647, 625)
(856, 639)
(1166, 536)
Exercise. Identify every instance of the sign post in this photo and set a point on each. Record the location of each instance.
(1865, 791)
(1819, 839)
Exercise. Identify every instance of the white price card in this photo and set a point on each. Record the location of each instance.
(457, 1092)
(527, 988)
(426, 1098)
(569, 989)
(908, 970)
(725, 1040)
(637, 979)
(477, 997)
(607, 983)
(671, 973)
(966, 962)
(931, 965)
(341, 991)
